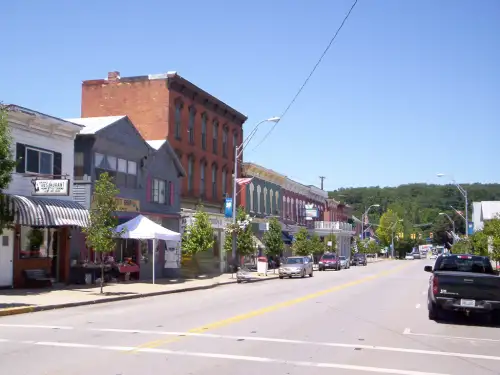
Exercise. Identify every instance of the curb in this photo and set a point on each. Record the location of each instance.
(31, 309)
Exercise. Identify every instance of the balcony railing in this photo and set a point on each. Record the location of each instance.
(332, 225)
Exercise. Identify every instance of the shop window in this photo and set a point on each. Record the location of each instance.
(35, 243)
(38, 161)
(159, 192)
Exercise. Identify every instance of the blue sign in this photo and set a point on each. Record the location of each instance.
(228, 207)
(470, 229)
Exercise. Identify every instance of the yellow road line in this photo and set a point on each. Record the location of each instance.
(265, 310)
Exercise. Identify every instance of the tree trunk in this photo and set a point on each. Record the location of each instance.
(102, 277)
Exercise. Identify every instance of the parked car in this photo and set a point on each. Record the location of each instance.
(296, 266)
(344, 262)
(416, 255)
(329, 261)
(409, 256)
(463, 283)
(359, 259)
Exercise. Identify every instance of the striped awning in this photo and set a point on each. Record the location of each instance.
(46, 212)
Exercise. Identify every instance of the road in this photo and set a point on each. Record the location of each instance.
(364, 320)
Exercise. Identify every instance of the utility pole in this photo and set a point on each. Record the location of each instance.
(322, 178)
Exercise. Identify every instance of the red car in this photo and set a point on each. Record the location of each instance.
(329, 262)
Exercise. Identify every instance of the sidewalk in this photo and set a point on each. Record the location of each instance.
(21, 301)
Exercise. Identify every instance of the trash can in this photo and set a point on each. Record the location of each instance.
(262, 265)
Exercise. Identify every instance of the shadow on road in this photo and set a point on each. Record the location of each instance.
(476, 320)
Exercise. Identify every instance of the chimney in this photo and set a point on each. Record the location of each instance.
(113, 76)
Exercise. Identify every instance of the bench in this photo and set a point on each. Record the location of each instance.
(37, 276)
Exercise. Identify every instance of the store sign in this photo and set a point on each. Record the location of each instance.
(51, 187)
(123, 205)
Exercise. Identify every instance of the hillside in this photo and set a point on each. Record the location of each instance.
(417, 203)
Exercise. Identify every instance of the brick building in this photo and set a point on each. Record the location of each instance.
(201, 128)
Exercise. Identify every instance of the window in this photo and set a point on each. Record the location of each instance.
(259, 192)
(171, 192)
(37, 242)
(214, 181)
(159, 192)
(124, 171)
(190, 173)
(215, 135)
(202, 178)
(224, 181)
(235, 140)
(38, 161)
(251, 189)
(192, 115)
(178, 120)
(79, 170)
(224, 142)
(204, 131)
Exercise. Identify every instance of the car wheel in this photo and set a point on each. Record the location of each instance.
(290, 276)
(435, 312)
(303, 274)
(311, 274)
(281, 277)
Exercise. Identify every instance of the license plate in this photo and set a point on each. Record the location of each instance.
(467, 302)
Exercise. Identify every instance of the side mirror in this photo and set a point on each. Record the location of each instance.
(428, 268)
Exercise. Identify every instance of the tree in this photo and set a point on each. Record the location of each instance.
(332, 238)
(198, 236)
(317, 247)
(244, 234)
(479, 243)
(302, 244)
(100, 233)
(389, 224)
(372, 247)
(492, 230)
(273, 238)
(463, 246)
(7, 166)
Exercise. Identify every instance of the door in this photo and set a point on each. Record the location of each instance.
(6, 258)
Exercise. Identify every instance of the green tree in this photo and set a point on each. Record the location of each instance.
(244, 234)
(389, 224)
(372, 247)
(332, 238)
(317, 247)
(302, 244)
(100, 232)
(273, 238)
(7, 165)
(198, 236)
(464, 246)
(479, 243)
(492, 229)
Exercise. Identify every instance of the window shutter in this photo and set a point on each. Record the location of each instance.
(20, 155)
(57, 165)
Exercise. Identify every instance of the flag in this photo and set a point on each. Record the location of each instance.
(244, 181)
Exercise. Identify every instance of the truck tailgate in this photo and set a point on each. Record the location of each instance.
(468, 286)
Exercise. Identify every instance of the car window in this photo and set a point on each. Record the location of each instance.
(465, 263)
(295, 261)
(328, 257)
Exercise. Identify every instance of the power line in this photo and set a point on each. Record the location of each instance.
(309, 76)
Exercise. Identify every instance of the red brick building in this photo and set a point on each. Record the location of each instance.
(202, 129)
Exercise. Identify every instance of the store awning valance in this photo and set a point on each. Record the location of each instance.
(45, 212)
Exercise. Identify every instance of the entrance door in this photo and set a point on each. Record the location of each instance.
(6, 255)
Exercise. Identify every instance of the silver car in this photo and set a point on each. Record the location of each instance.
(296, 266)
(344, 262)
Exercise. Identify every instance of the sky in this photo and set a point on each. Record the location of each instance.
(407, 90)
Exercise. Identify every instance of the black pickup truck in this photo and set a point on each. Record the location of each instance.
(463, 283)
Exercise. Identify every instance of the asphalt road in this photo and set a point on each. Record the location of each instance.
(364, 320)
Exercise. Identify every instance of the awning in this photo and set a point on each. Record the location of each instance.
(45, 212)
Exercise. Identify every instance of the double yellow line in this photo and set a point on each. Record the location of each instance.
(265, 310)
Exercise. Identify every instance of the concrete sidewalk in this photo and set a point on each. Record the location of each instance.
(21, 301)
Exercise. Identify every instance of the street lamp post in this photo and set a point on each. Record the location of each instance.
(464, 193)
(238, 151)
(365, 214)
(393, 228)
(452, 223)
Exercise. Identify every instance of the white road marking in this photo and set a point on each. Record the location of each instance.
(407, 331)
(379, 370)
(417, 306)
(34, 326)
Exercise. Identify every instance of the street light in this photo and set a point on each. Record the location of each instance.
(452, 223)
(363, 221)
(238, 151)
(464, 193)
(392, 237)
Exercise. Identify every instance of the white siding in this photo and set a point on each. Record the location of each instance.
(21, 185)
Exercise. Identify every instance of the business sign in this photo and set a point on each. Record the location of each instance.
(311, 212)
(228, 207)
(123, 205)
(470, 228)
(51, 187)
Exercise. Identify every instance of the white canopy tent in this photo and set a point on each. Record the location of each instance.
(141, 228)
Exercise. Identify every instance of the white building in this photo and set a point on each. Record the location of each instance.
(40, 197)
(484, 211)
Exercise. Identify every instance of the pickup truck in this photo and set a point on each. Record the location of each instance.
(465, 283)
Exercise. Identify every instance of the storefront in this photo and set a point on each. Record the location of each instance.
(41, 236)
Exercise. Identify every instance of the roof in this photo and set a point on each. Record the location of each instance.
(157, 144)
(94, 124)
(27, 111)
